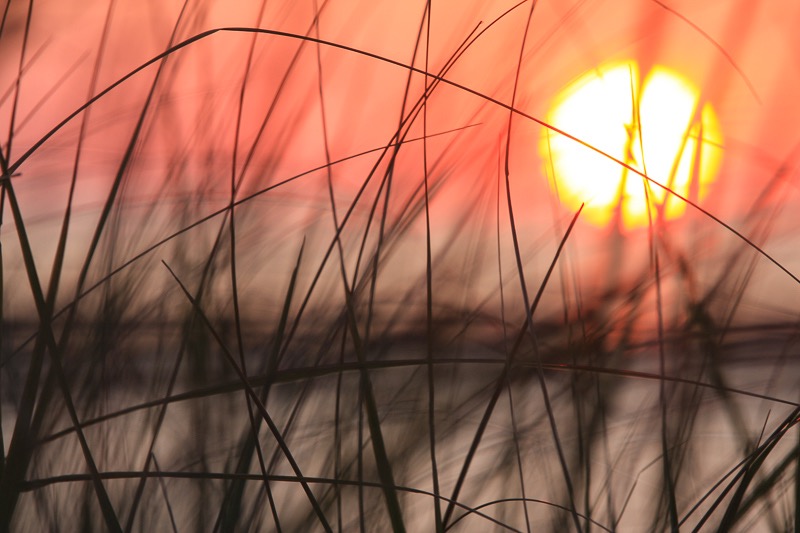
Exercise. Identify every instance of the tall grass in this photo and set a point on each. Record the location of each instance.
(298, 266)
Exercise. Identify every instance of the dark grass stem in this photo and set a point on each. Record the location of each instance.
(231, 509)
(366, 369)
(523, 284)
(37, 484)
(257, 401)
(437, 510)
(163, 486)
(9, 485)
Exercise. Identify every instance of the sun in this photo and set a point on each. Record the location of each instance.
(657, 124)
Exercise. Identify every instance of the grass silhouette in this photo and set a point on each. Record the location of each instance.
(297, 266)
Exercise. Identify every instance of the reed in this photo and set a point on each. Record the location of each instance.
(301, 266)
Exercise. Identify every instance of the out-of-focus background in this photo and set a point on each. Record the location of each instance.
(398, 283)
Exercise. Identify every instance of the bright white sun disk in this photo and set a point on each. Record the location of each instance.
(653, 125)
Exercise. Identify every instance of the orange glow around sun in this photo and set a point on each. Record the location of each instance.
(655, 124)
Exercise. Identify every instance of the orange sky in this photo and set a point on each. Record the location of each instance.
(743, 55)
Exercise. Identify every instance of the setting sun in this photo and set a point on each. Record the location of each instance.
(401, 266)
(653, 123)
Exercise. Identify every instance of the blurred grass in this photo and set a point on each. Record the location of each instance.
(299, 284)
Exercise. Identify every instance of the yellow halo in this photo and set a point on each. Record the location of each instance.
(654, 125)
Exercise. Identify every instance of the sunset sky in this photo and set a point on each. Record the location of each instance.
(740, 56)
(378, 234)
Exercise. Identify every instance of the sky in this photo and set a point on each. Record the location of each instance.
(347, 96)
